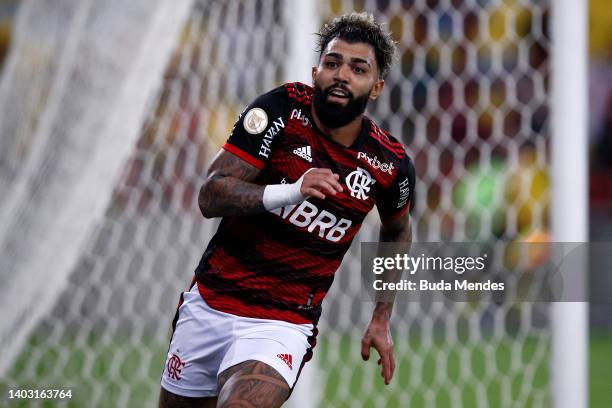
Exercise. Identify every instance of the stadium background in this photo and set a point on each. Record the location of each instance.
(469, 97)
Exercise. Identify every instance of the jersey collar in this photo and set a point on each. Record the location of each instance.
(363, 134)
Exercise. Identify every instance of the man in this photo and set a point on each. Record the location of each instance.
(300, 171)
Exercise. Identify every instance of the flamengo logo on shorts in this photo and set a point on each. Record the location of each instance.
(359, 182)
(287, 358)
(174, 366)
(308, 215)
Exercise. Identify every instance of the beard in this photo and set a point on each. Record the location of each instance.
(334, 115)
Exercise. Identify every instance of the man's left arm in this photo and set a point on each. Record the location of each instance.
(396, 230)
(394, 205)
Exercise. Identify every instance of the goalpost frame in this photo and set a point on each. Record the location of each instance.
(569, 173)
(302, 20)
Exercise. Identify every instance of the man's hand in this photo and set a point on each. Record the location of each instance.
(228, 189)
(378, 335)
(319, 183)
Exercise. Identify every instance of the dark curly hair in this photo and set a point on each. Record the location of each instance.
(360, 27)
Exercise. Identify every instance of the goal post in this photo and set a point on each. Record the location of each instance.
(302, 20)
(569, 170)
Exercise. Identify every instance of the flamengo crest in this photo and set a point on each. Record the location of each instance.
(175, 366)
(359, 182)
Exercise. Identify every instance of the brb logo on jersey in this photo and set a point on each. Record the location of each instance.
(359, 182)
(321, 222)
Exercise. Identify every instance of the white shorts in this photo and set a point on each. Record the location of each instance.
(205, 342)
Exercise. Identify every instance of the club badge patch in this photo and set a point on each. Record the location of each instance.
(359, 182)
(255, 121)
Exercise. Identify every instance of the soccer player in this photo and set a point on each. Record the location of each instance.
(300, 171)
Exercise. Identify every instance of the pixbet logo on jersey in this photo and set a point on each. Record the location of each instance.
(307, 215)
(297, 114)
(375, 163)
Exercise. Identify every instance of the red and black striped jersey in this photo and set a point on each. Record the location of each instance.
(280, 264)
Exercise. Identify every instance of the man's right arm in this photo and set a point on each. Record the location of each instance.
(228, 189)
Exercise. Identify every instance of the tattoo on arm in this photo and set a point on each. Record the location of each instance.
(228, 189)
(396, 229)
(252, 384)
(396, 233)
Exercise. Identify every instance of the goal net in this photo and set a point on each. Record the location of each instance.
(111, 112)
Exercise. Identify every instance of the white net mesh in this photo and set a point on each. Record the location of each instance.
(469, 99)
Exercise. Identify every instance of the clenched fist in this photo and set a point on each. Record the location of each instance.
(319, 183)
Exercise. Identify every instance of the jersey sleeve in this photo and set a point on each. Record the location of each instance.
(399, 196)
(257, 127)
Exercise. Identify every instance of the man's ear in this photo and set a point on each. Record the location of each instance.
(377, 89)
(314, 74)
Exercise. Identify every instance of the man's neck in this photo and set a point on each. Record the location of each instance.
(345, 135)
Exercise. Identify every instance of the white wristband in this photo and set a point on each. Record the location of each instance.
(280, 195)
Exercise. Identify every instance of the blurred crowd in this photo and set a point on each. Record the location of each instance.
(600, 109)
(7, 13)
(600, 119)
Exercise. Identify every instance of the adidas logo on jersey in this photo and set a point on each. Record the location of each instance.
(287, 358)
(304, 153)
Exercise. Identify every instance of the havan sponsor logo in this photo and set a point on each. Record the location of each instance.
(404, 190)
(266, 145)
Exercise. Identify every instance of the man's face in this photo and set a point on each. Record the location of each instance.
(346, 78)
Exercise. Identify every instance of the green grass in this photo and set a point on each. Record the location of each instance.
(600, 370)
(100, 372)
(123, 372)
(442, 374)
